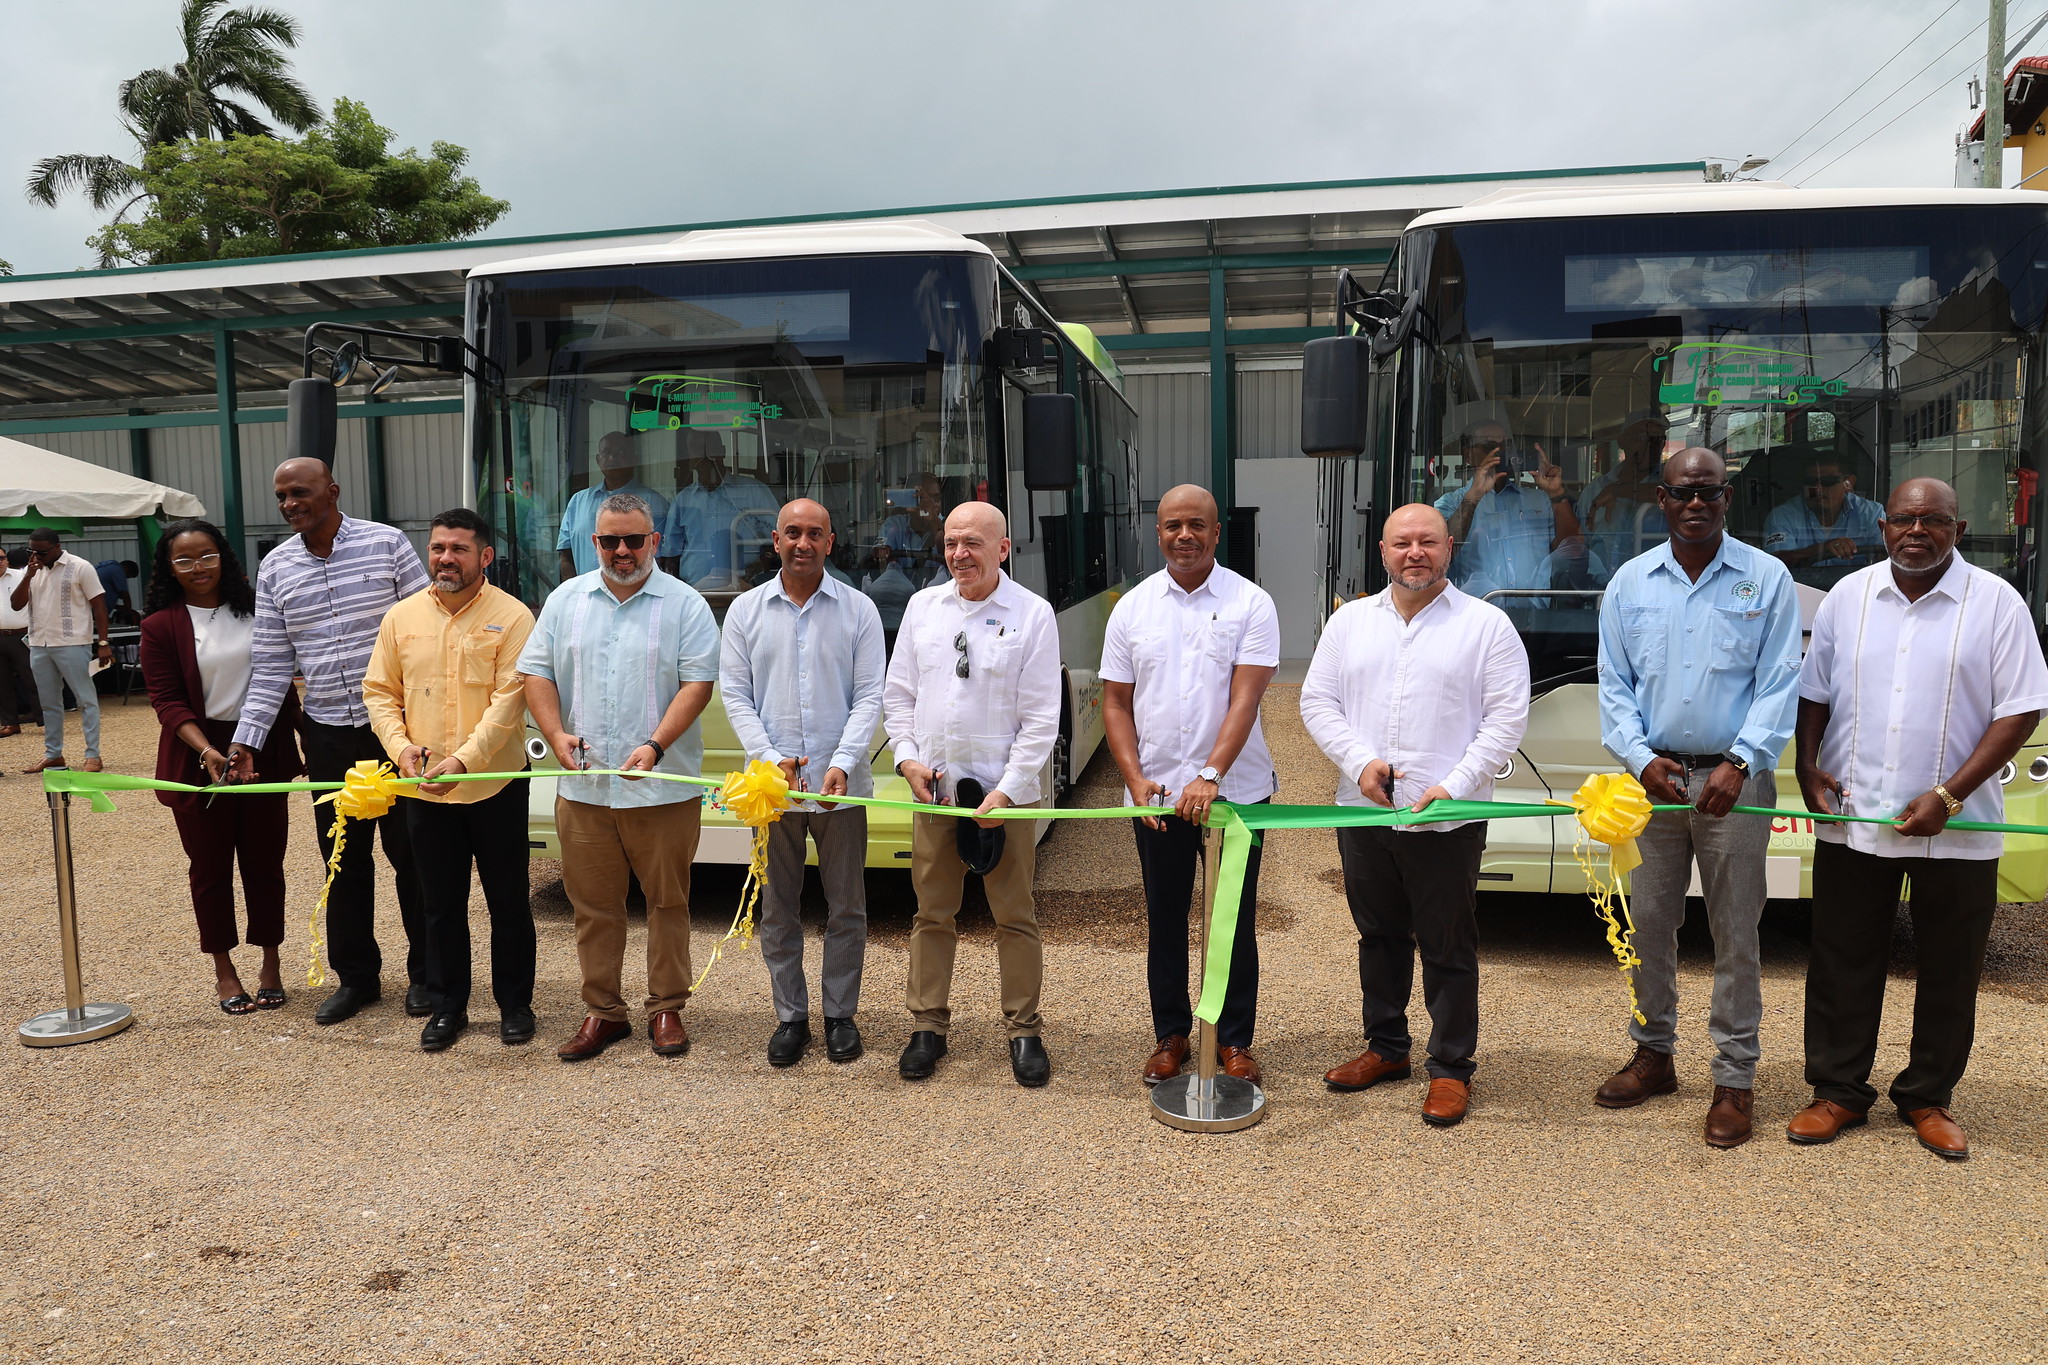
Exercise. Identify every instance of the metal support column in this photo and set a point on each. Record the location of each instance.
(230, 440)
(1222, 469)
(1201, 1101)
(77, 1022)
(373, 453)
(139, 466)
(1994, 97)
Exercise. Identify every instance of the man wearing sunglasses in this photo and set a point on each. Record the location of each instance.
(618, 669)
(1699, 662)
(972, 708)
(1922, 681)
(1829, 525)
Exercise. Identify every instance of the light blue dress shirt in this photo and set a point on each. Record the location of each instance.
(703, 523)
(1508, 540)
(1705, 667)
(618, 665)
(1794, 526)
(579, 519)
(806, 681)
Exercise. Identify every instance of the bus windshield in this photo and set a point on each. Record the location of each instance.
(716, 392)
(1827, 354)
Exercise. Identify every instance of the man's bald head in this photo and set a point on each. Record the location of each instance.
(304, 469)
(1415, 549)
(1919, 497)
(1187, 498)
(1696, 464)
(1189, 531)
(805, 510)
(1415, 516)
(802, 539)
(308, 499)
(982, 518)
(977, 543)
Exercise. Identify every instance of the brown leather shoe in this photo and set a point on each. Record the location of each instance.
(665, 1030)
(57, 762)
(1165, 1063)
(1822, 1121)
(9, 731)
(1647, 1073)
(1728, 1117)
(594, 1037)
(1365, 1071)
(1239, 1062)
(1939, 1133)
(1446, 1102)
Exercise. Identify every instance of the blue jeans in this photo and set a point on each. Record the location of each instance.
(54, 666)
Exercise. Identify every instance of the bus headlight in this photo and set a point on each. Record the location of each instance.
(1507, 770)
(537, 749)
(2038, 769)
(2007, 774)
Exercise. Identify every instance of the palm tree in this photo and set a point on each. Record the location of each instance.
(236, 52)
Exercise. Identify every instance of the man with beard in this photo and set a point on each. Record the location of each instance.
(618, 669)
(1418, 694)
(1185, 662)
(320, 598)
(1699, 662)
(800, 668)
(445, 697)
(1889, 641)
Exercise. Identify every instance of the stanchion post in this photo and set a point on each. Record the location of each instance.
(77, 1022)
(1202, 1101)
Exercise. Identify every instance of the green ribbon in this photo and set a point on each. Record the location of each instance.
(1239, 825)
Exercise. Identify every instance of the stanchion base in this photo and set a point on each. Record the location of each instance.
(1230, 1104)
(59, 1029)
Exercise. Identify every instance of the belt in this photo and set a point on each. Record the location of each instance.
(1692, 760)
(17, 630)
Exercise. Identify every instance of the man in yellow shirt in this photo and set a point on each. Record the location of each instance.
(445, 696)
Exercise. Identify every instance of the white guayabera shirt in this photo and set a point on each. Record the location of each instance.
(1912, 687)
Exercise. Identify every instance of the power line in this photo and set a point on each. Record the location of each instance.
(1988, 147)
(1895, 92)
(1866, 80)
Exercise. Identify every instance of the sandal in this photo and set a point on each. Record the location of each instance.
(270, 998)
(238, 1004)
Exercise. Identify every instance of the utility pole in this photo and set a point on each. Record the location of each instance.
(1994, 99)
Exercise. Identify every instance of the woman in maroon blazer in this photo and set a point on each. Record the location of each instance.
(200, 615)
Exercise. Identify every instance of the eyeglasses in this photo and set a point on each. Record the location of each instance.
(960, 664)
(1486, 447)
(203, 562)
(1937, 523)
(1695, 492)
(632, 542)
(1824, 480)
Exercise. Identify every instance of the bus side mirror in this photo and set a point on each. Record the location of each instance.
(310, 419)
(1334, 372)
(1052, 423)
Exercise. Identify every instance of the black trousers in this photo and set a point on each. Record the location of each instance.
(447, 839)
(17, 685)
(1855, 900)
(1168, 859)
(1410, 891)
(351, 906)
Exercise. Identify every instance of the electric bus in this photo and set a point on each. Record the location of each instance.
(1829, 343)
(891, 371)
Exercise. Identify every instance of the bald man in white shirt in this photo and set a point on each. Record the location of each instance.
(1418, 694)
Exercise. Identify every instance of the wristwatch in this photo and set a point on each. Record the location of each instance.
(1740, 766)
(1209, 774)
(1948, 799)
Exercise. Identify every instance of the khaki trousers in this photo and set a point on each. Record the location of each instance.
(600, 846)
(937, 874)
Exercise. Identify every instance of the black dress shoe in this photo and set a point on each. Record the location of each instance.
(786, 1045)
(441, 1030)
(921, 1058)
(1028, 1062)
(515, 1026)
(419, 1001)
(344, 1003)
(842, 1040)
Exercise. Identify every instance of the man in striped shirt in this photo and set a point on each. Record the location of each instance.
(320, 597)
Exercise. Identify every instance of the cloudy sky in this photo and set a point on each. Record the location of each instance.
(621, 113)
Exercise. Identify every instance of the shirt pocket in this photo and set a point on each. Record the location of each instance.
(1645, 633)
(479, 658)
(1737, 638)
(1220, 640)
(995, 652)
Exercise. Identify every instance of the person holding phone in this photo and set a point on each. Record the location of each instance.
(195, 652)
(1506, 528)
(1699, 666)
(67, 634)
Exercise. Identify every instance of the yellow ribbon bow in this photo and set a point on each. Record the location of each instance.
(368, 791)
(756, 795)
(1613, 809)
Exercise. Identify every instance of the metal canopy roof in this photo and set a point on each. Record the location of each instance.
(1149, 271)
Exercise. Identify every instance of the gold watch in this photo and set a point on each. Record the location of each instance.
(1947, 799)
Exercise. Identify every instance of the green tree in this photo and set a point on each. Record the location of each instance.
(338, 188)
(230, 56)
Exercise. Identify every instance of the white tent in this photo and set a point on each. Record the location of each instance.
(59, 486)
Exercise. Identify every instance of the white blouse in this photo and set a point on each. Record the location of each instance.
(221, 639)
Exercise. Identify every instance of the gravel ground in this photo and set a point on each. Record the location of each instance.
(204, 1187)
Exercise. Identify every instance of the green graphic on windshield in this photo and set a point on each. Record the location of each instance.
(672, 402)
(1718, 373)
